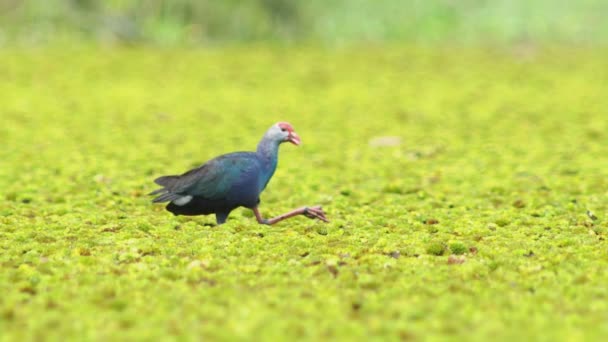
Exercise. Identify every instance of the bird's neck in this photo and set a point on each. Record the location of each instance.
(269, 151)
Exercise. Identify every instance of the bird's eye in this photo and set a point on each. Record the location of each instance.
(283, 129)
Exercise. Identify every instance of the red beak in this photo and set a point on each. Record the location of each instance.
(294, 138)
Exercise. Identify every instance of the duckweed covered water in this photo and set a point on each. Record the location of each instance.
(466, 190)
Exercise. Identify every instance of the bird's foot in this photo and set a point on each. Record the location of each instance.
(315, 212)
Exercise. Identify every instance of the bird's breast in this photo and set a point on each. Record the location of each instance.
(245, 193)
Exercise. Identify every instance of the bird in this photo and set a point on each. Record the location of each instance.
(232, 180)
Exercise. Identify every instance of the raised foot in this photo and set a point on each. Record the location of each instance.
(315, 212)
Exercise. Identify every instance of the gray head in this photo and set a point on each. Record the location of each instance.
(282, 132)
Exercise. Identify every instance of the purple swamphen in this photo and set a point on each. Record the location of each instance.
(230, 181)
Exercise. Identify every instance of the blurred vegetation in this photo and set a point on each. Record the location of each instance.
(466, 189)
(172, 22)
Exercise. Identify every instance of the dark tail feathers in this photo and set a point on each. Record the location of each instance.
(164, 194)
(166, 197)
(166, 181)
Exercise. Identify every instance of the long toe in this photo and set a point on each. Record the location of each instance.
(316, 212)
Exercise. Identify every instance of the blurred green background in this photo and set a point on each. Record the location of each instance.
(334, 22)
(458, 147)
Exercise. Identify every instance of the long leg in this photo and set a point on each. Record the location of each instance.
(221, 217)
(310, 212)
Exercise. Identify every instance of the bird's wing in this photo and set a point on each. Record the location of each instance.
(212, 180)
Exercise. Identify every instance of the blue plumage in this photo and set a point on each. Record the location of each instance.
(229, 181)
